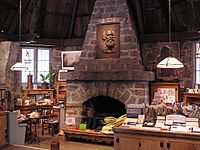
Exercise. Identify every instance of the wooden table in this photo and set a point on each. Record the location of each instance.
(191, 96)
(88, 135)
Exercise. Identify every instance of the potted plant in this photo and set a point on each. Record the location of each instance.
(47, 79)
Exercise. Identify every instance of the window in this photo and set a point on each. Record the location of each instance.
(38, 62)
(197, 63)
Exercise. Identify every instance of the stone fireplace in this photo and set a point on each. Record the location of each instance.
(101, 106)
(122, 77)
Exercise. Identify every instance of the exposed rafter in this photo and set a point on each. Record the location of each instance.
(73, 15)
(139, 15)
(60, 20)
(178, 36)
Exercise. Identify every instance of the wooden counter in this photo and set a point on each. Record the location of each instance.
(3, 129)
(147, 139)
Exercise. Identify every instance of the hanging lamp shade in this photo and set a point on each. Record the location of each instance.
(170, 62)
(19, 66)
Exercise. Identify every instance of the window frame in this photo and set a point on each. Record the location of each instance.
(195, 60)
(35, 69)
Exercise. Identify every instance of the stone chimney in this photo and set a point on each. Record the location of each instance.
(128, 65)
(113, 70)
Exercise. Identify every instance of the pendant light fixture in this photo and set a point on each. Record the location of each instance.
(19, 66)
(170, 62)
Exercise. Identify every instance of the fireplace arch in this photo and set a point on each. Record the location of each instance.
(101, 107)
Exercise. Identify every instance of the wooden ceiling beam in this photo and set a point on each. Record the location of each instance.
(73, 16)
(139, 15)
(34, 39)
(35, 16)
(24, 37)
(13, 28)
(14, 23)
(9, 5)
(61, 43)
(193, 0)
(41, 17)
(178, 36)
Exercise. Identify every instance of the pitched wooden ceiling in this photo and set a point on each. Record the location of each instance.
(65, 22)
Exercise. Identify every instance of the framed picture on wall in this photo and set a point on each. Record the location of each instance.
(69, 59)
(165, 49)
(168, 92)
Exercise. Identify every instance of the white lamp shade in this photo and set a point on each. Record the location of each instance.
(19, 66)
(170, 62)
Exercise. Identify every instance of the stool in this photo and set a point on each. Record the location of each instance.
(28, 130)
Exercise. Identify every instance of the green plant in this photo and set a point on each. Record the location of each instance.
(47, 78)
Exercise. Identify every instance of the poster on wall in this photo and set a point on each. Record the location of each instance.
(70, 121)
(70, 59)
(168, 94)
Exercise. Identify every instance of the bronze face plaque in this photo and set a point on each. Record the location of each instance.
(108, 41)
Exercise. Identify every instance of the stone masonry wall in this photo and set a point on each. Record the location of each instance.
(128, 92)
(8, 57)
(56, 60)
(111, 11)
(149, 58)
(123, 78)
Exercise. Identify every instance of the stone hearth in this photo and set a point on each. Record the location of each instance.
(123, 78)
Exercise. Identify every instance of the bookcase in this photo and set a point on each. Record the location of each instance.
(60, 90)
(34, 92)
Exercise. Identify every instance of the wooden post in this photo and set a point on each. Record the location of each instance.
(55, 145)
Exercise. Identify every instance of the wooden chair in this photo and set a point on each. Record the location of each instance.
(52, 122)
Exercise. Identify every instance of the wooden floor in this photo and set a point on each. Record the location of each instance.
(46, 140)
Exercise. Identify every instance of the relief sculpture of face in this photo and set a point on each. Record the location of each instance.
(109, 40)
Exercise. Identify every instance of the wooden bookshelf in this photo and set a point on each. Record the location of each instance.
(60, 90)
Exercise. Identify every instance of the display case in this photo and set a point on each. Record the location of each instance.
(45, 93)
(168, 90)
(60, 90)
